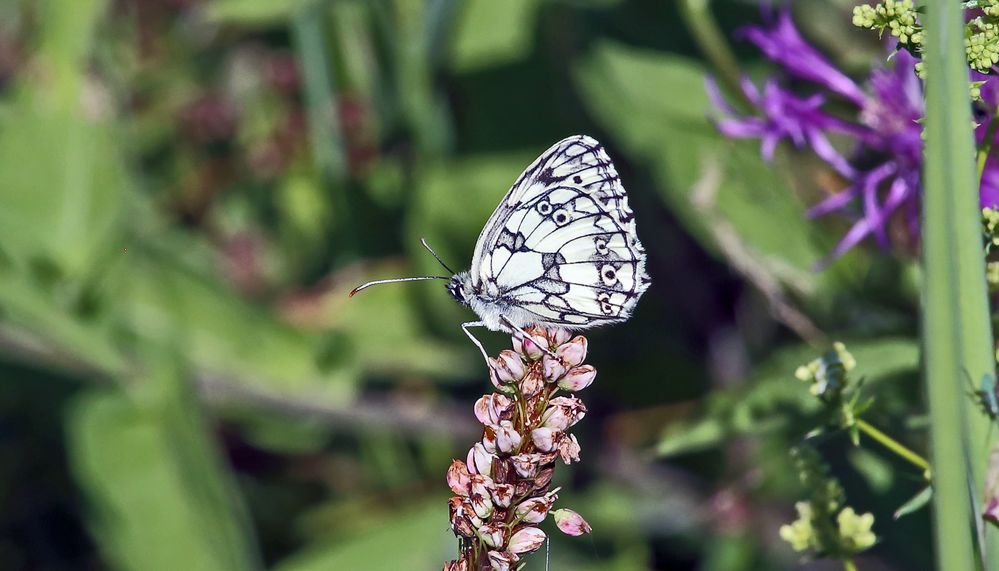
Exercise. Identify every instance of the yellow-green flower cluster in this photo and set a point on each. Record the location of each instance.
(982, 44)
(896, 16)
(855, 533)
(827, 374)
(990, 227)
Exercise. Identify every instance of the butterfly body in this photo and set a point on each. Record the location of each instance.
(560, 250)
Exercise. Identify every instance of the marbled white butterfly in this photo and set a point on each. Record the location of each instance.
(560, 250)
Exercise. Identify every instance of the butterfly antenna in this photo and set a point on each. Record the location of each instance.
(434, 254)
(394, 280)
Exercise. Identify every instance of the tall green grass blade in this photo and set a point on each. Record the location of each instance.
(956, 330)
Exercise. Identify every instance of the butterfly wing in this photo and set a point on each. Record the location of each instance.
(561, 248)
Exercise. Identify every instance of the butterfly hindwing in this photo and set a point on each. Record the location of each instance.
(562, 247)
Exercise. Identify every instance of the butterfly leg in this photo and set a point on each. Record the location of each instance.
(525, 335)
(465, 326)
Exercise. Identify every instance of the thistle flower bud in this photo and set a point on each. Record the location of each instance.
(570, 522)
(578, 378)
(525, 540)
(573, 352)
(458, 478)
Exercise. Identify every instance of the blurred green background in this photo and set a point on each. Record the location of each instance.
(189, 188)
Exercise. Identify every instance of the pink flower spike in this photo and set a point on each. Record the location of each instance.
(578, 378)
(570, 522)
(458, 478)
(526, 540)
(544, 438)
(573, 352)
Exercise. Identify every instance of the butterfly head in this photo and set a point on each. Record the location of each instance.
(460, 288)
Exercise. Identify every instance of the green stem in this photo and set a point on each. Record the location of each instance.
(713, 45)
(986, 147)
(849, 565)
(895, 446)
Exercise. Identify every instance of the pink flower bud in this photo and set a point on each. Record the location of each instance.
(564, 412)
(559, 336)
(460, 565)
(526, 540)
(501, 560)
(490, 409)
(545, 439)
(457, 478)
(570, 522)
(509, 367)
(479, 460)
(531, 385)
(463, 518)
(534, 510)
(578, 378)
(568, 449)
(502, 495)
(543, 478)
(553, 368)
(481, 496)
(573, 352)
(507, 437)
(531, 347)
(526, 465)
(492, 534)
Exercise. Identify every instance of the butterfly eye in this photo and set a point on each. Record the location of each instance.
(544, 207)
(561, 217)
(609, 274)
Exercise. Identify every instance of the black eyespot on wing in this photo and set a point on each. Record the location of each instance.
(577, 179)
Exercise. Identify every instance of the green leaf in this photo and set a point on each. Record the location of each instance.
(915, 503)
(253, 13)
(416, 538)
(774, 394)
(161, 498)
(957, 335)
(492, 33)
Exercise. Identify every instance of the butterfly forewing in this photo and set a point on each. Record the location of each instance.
(562, 245)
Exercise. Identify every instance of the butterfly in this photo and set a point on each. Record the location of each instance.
(560, 250)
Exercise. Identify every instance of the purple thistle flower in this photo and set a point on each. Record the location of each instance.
(882, 169)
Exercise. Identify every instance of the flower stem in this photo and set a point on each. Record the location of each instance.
(712, 43)
(849, 565)
(895, 446)
(986, 146)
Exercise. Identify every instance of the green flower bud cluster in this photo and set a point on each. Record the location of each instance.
(899, 17)
(824, 525)
(827, 374)
(990, 228)
(981, 43)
